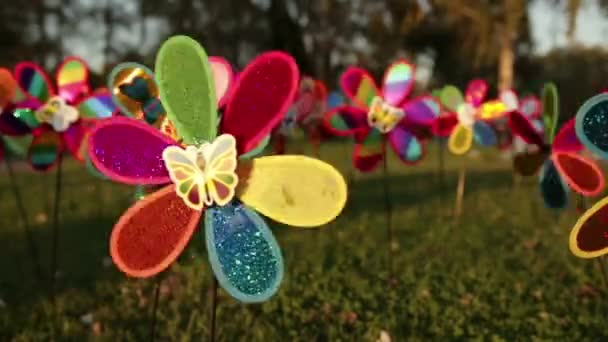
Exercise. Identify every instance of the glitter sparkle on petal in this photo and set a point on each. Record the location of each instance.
(245, 256)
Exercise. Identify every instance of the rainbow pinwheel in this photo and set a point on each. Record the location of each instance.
(56, 121)
(468, 116)
(562, 165)
(589, 237)
(380, 114)
(206, 173)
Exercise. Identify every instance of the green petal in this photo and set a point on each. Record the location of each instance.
(186, 89)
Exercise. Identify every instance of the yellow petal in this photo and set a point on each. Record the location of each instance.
(294, 190)
(460, 140)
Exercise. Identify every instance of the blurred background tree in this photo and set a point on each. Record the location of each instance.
(451, 40)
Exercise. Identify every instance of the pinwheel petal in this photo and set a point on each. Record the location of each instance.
(444, 125)
(34, 82)
(369, 150)
(294, 190)
(73, 79)
(152, 234)
(476, 92)
(223, 77)
(589, 237)
(422, 111)
(451, 97)
(550, 98)
(398, 82)
(187, 89)
(409, 149)
(485, 135)
(460, 140)
(243, 253)
(97, 106)
(129, 151)
(359, 86)
(554, 189)
(261, 97)
(523, 128)
(346, 120)
(592, 124)
(45, 149)
(582, 174)
(567, 140)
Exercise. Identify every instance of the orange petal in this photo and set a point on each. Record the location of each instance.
(153, 233)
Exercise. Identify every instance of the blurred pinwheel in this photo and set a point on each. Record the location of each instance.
(382, 115)
(468, 116)
(206, 172)
(56, 120)
(589, 237)
(561, 165)
(530, 107)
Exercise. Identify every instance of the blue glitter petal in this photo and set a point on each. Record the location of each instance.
(553, 188)
(592, 124)
(244, 254)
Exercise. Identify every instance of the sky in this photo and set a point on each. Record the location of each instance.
(548, 27)
(549, 24)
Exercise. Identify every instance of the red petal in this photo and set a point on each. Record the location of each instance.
(261, 98)
(152, 234)
(582, 174)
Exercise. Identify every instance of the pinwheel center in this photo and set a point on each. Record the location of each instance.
(383, 116)
(57, 113)
(204, 175)
(466, 114)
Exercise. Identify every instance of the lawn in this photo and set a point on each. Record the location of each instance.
(503, 272)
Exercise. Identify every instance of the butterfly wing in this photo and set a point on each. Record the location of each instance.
(220, 170)
(398, 82)
(73, 79)
(152, 234)
(185, 174)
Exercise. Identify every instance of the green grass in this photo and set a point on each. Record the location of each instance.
(502, 273)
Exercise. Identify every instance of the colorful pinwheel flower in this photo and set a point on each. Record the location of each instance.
(56, 120)
(589, 237)
(562, 165)
(467, 117)
(206, 172)
(307, 111)
(530, 107)
(382, 115)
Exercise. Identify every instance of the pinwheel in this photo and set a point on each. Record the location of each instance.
(382, 115)
(562, 165)
(57, 120)
(589, 237)
(468, 117)
(530, 107)
(205, 174)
